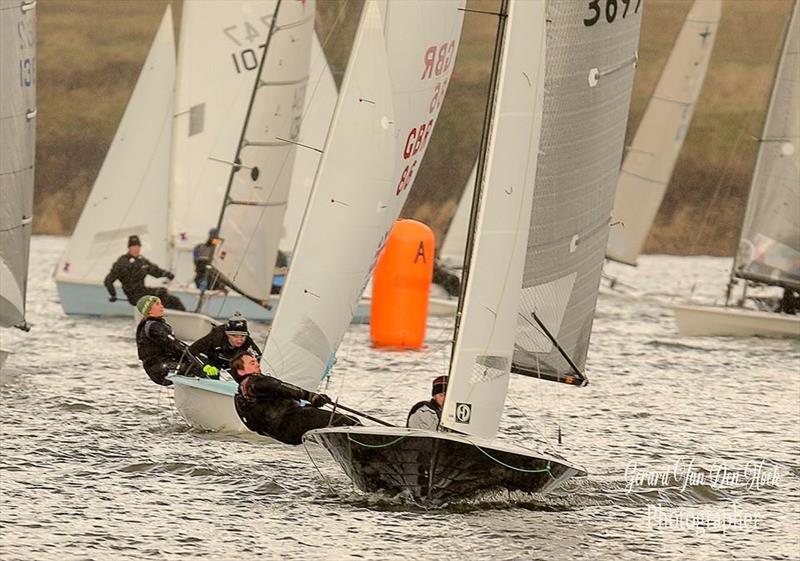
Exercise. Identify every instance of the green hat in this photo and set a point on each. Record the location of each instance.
(145, 303)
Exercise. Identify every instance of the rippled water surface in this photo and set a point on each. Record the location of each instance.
(97, 464)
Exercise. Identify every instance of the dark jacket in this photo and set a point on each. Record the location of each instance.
(131, 272)
(217, 351)
(159, 350)
(263, 402)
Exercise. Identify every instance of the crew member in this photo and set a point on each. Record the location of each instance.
(272, 407)
(223, 342)
(159, 350)
(790, 302)
(131, 269)
(426, 414)
(203, 254)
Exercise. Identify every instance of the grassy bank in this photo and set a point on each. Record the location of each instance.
(91, 51)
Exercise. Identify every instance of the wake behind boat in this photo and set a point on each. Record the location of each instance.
(435, 466)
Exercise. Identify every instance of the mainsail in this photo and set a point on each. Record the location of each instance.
(258, 188)
(18, 140)
(483, 348)
(591, 56)
(769, 248)
(130, 193)
(390, 98)
(651, 158)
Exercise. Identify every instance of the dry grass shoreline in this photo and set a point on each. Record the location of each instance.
(90, 53)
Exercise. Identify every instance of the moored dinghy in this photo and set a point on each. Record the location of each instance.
(377, 140)
(546, 236)
(769, 248)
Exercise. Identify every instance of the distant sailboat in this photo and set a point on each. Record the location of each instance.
(769, 247)
(164, 178)
(17, 156)
(379, 134)
(536, 244)
(651, 158)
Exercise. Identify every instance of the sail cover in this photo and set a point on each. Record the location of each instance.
(452, 251)
(389, 101)
(648, 165)
(253, 213)
(769, 248)
(18, 139)
(221, 43)
(130, 193)
(591, 54)
(484, 342)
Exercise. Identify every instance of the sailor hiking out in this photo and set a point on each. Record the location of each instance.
(223, 342)
(131, 269)
(272, 407)
(159, 350)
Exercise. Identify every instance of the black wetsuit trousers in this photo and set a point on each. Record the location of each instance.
(299, 421)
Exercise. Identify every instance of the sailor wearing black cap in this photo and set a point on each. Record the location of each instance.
(426, 414)
(131, 269)
(225, 341)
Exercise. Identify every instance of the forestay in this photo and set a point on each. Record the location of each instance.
(390, 98)
(221, 43)
(18, 139)
(130, 193)
(591, 55)
(769, 248)
(485, 335)
(252, 215)
(651, 158)
(452, 251)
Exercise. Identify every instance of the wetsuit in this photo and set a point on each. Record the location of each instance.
(215, 349)
(204, 277)
(790, 303)
(271, 407)
(131, 272)
(159, 350)
(424, 415)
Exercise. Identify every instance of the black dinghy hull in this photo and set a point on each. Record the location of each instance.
(436, 466)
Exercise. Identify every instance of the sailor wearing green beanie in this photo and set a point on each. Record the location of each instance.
(160, 352)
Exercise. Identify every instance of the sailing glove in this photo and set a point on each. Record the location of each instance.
(211, 372)
(169, 275)
(318, 399)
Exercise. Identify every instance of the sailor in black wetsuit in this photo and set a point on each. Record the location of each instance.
(271, 407)
(223, 342)
(131, 269)
(160, 351)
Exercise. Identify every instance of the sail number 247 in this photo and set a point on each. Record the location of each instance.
(612, 8)
(437, 61)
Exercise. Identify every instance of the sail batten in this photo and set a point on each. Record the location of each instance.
(769, 246)
(588, 84)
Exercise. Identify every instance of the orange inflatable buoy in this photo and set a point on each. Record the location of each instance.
(400, 287)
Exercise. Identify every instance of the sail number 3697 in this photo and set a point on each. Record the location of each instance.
(612, 8)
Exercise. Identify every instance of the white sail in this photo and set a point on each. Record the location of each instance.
(390, 98)
(221, 43)
(485, 336)
(321, 97)
(769, 248)
(131, 191)
(253, 213)
(452, 250)
(591, 55)
(18, 141)
(651, 158)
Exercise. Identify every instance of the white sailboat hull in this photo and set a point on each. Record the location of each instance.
(187, 326)
(434, 466)
(734, 322)
(207, 404)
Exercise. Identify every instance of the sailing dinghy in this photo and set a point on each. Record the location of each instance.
(769, 247)
(536, 243)
(651, 158)
(17, 156)
(401, 61)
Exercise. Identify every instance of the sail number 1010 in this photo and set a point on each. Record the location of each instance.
(612, 8)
